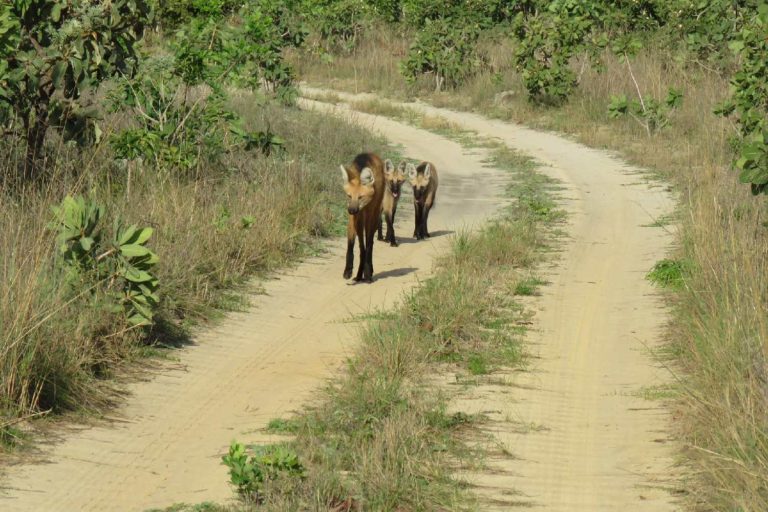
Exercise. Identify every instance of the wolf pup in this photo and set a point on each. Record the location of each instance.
(423, 179)
(394, 179)
(364, 186)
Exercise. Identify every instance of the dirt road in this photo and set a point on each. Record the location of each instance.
(258, 365)
(582, 437)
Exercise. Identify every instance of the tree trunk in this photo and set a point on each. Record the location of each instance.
(36, 131)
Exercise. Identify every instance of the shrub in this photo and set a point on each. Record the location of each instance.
(116, 268)
(446, 50)
(267, 463)
(546, 43)
(53, 54)
(750, 101)
(339, 23)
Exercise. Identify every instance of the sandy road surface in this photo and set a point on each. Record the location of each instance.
(582, 440)
(256, 366)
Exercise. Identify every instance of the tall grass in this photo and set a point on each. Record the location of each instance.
(719, 333)
(245, 216)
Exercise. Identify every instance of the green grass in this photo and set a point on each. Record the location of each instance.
(529, 286)
(282, 426)
(660, 392)
(663, 220)
(669, 273)
(477, 364)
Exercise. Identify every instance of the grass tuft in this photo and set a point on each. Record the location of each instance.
(669, 273)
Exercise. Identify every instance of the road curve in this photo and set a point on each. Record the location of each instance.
(583, 439)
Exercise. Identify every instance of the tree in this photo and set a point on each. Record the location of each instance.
(54, 53)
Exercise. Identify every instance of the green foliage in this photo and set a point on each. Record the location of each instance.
(446, 43)
(708, 26)
(528, 286)
(547, 40)
(269, 27)
(171, 14)
(267, 463)
(53, 53)
(119, 268)
(749, 100)
(339, 23)
(389, 10)
(282, 426)
(179, 103)
(484, 13)
(446, 50)
(172, 131)
(669, 273)
(651, 114)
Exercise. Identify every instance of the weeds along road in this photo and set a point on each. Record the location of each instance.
(581, 437)
(166, 445)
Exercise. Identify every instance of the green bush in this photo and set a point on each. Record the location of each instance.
(179, 103)
(546, 43)
(651, 114)
(446, 50)
(171, 14)
(708, 26)
(117, 269)
(339, 23)
(267, 463)
(484, 13)
(53, 54)
(750, 101)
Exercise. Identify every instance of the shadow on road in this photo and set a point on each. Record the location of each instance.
(433, 234)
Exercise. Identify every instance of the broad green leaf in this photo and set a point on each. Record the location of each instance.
(137, 276)
(126, 237)
(134, 250)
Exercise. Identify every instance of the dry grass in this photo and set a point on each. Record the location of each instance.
(719, 336)
(58, 351)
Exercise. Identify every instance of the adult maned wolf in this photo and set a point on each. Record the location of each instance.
(394, 179)
(364, 186)
(423, 179)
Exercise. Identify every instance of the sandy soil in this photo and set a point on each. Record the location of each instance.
(577, 434)
(166, 442)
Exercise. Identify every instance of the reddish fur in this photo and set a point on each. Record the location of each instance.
(364, 222)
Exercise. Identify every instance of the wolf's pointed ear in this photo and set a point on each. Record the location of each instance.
(389, 167)
(344, 173)
(411, 170)
(401, 166)
(427, 171)
(366, 177)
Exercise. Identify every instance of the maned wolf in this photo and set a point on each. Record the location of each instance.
(364, 186)
(423, 179)
(394, 179)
